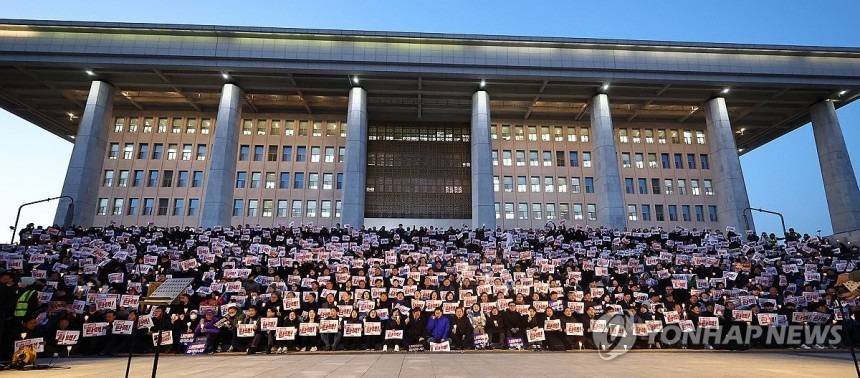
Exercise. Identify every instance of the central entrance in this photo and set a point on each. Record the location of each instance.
(418, 171)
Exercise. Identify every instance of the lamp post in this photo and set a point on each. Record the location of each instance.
(18, 217)
(751, 209)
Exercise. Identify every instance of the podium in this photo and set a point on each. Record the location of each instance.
(162, 294)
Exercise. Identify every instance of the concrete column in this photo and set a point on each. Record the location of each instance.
(218, 192)
(355, 169)
(731, 191)
(83, 176)
(607, 180)
(840, 183)
(483, 208)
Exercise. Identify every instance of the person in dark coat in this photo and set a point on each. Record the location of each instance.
(461, 331)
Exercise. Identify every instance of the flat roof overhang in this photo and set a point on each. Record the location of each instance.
(409, 76)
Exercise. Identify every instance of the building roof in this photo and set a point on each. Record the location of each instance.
(414, 76)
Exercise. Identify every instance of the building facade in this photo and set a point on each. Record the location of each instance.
(201, 126)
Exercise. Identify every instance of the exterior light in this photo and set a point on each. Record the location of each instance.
(225, 75)
(483, 83)
(843, 92)
(605, 87)
(726, 90)
(355, 79)
(740, 150)
(90, 72)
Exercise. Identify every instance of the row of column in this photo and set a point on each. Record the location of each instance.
(83, 174)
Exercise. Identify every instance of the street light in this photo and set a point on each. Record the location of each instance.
(18, 217)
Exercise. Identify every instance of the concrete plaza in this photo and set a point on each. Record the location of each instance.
(494, 364)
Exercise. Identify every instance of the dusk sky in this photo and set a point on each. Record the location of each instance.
(783, 175)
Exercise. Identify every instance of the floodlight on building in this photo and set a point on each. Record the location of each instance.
(355, 80)
(225, 75)
(90, 72)
(843, 92)
(726, 90)
(483, 83)
(605, 87)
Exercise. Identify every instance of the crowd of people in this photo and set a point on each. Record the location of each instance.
(290, 288)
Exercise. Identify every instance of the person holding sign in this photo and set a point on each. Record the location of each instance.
(308, 332)
(291, 320)
(373, 336)
(534, 321)
(206, 328)
(438, 327)
(462, 331)
(495, 327)
(416, 328)
(397, 324)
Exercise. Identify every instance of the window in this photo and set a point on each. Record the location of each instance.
(328, 181)
(571, 134)
(564, 211)
(496, 183)
(102, 206)
(296, 209)
(267, 207)
(537, 211)
(284, 180)
(682, 187)
(550, 211)
(625, 160)
(241, 179)
(574, 159)
(258, 153)
(688, 137)
(559, 158)
(123, 179)
(178, 207)
(700, 137)
(311, 211)
(544, 133)
(132, 125)
(661, 136)
(694, 187)
(201, 152)
(506, 158)
(679, 163)
(534, 182)
(186, 152)
(252, 208)
(508, 183)
(712, 213)
(673, 213)
(632, 213)
(341, 153)
(133, 204)
(107, 179)
(640, 160)
(138, 178)
(509, 210)
(649, 136)
(628, 185)
(176, 126)
(247, 125)
(521, 158)
(315, 154)
(337, 208)
(685, 213)
(532, 133)
(256, 177)
(167, 179)
(700, 213)
(118, 125)
(703, 159)
(691, 161)
(197, 179)
(270, 180)
(114, 152)
(117, 206)
(243, 152)
(282, 209)
(655, 186)
(584, 135)
(193, 205)
(325, 209)
(329, 154)
(643, 186)
(152, 180)
(522, 211)
(592, 211)
(142, 151)
(577, 211)
(658, 212)
(557, 133)
(147, 126)
(272, 153)
(261, 127)
(548, 184)
(313, 180)
(518, 133)
(622, 135)
(205, 125)
(668, 184)
(589, 185)
(157, 151)
(171, 151)
(586, 159)
(646, 213)
(317, 130)
(162, 127)
(286, 153)
(163, 205)
(128, 151)
(299, 181)
(709, 187)
(191, 128)
(664, 158)
(148, 204)
(301, 151)
(547, 158)
(338, 181)
(506, 132)
(561, 184)
(495, 157)
(289, 128)
(574, 185)
(303, 130)
(636, 134)
(533, 158)
(652, 160)
(521, 184)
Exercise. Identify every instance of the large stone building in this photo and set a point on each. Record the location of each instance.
(212, 125)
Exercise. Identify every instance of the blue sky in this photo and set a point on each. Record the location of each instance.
(783, 175)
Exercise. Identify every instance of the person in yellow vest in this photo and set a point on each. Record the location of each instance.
(28, 301)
